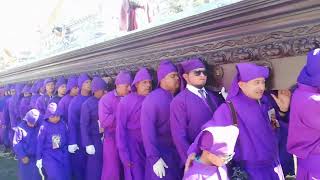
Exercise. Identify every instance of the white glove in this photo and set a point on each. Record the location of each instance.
(39, 163)
(90, 150)
(158, 168)
(72, 148)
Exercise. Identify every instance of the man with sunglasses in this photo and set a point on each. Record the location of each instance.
(192, 107)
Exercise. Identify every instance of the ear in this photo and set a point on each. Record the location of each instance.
(241, 84)
(185, 77)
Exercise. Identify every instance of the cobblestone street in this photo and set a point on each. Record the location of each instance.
(8, 166)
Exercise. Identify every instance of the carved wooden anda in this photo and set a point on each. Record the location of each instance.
(252, 30)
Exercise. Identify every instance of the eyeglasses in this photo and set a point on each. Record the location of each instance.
(198, 72)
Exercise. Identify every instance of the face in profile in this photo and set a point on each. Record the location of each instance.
(196, 77)
(254, 88)
(123, 89)
(171, 82)
(144, 87)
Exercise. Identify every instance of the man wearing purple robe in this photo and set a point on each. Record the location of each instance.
(35, 90)
(78, 156)
(6, 120)
(216, 146)
(192, 107)
(112, 167)
(72, 91)
(43, 101)
(128, 131)
(91, 133)
(286, 159)
(25, 146)
(14, 103)
(3, 98)
(162, 158)
(257, 148)
(25, 101)
(304, 125)
(60, 90)
(52, 147)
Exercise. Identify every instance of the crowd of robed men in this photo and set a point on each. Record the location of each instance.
(180, 129)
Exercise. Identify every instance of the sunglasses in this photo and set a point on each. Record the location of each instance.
(198, 72)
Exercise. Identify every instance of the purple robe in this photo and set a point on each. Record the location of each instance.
(257, 147)
(35, 93)
(14, 111)
(128, 136)
(286, 159)
(33, 100)
(7, 132)
(42, 103)
(304, 131)
(188, 113)
(64, 106)
(200, 171)
(52, 148)
(25, 145)
(24, 106)
(219, 141)
(156, 134)
(112, 167)
(56, 99)
(78, 159)
(90, 136)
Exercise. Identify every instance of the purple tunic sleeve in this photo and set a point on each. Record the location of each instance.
(21, 113)
(121, 133)
(84, 124)
(17, 143)
(311, 115)
(178, 125)
(24, 107)
(149, 132)
(6, 114)
(62, 107)
(13, 112)
(106, 114)
(40, 105)
(40, 142)
(72, 122)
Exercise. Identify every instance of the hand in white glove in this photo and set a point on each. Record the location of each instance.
(14, 129)
(39, 163)
(159, 168)
(90, 150)
(72, 148)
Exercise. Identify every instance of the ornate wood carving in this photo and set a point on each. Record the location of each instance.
(251, 30)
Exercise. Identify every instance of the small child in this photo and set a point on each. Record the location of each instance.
(217, 149)
(25, 145)
(52, 149)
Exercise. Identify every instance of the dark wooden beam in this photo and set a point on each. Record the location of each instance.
(251, 30)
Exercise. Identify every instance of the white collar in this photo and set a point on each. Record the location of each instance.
(195, 90)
